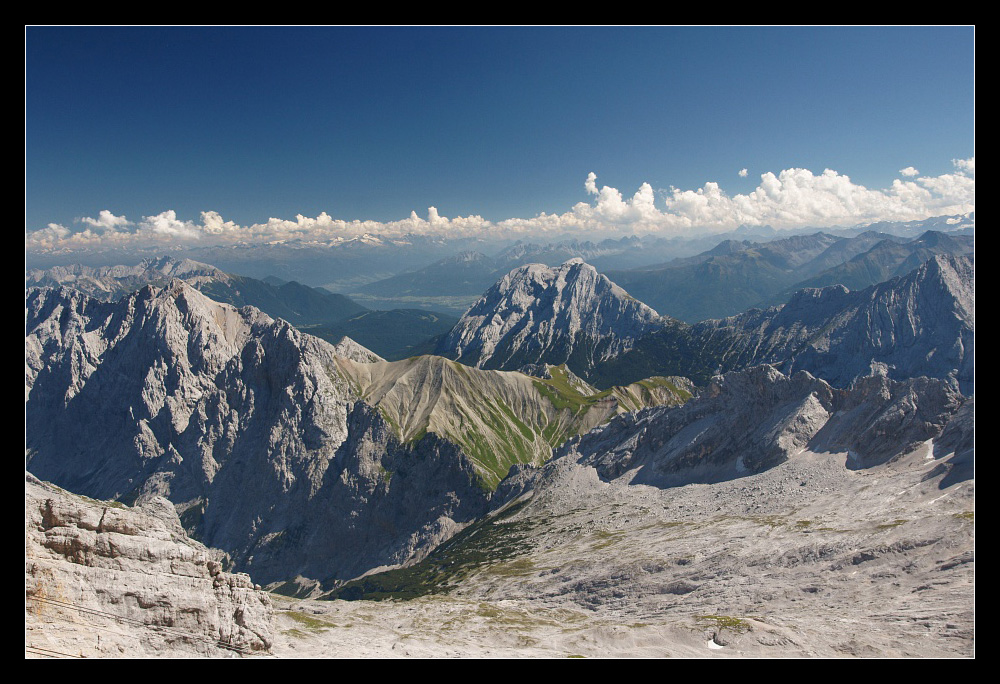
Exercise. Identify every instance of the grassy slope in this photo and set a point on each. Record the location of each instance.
(498, 418)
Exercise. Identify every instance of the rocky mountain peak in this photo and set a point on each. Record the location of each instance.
(538, 313)
(349, 349)
(920, 324)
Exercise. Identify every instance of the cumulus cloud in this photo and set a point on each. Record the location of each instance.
(51, 235)
(909, 172)
(790, 198)
(966, 166)
(166, 224)
(214, 224)
(56, 230)
(743, 173)
(106, 221)
(798, 197)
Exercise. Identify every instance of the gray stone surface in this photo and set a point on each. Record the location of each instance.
(103, 579)
(297, 457)
(921, 324)
(242, 422)
(746, 422)
(537, 314)
(739, 525)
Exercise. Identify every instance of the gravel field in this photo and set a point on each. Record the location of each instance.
(806, 559)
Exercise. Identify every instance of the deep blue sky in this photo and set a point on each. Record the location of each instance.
(369, 123)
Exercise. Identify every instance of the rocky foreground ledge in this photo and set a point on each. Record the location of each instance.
(103, 579)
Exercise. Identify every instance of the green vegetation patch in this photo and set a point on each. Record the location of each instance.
(484, 544)
(562, 401)
(521, 567)
(735, 624)
(763, 520)
(660, 382)
(562, 394)
(308, 621)
(606, 539)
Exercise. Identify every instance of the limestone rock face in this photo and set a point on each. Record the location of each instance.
(380, 503)
(921, 324)
(538, 314)
(89, 562)
(746, 422)
(167, 391)
(242, 422)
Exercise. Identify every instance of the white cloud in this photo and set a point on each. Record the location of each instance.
(909, 172)
(51, 235)
(106, 221)
(966, 166)
(56, 230)
(166, 224)
(214, 224)
(788, 199)
(743, 173)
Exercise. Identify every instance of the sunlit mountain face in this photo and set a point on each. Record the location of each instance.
(500, 342)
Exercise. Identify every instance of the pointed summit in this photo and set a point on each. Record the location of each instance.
(539, 314)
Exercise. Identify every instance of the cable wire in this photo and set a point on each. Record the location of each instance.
(158, 628)
(49, 653)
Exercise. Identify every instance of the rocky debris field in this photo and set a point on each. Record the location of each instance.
(809, 558)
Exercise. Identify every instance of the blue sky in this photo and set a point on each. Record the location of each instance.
(371, 123)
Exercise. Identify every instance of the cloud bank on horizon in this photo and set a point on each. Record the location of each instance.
(792, 198)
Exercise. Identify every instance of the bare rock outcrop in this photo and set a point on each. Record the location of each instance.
(537, 314)
(104, 579)
(746, 422)
(243, 422)
(920, 324)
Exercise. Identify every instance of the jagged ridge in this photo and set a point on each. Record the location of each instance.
(499, 418)
(261, 436)
(920, 324)
(748, 421)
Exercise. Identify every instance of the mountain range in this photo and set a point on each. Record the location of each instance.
(292, 301)
(264, 437)
(922, 323)
(736, 276)
(746, 269)
(568, 465)
(393, 334)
